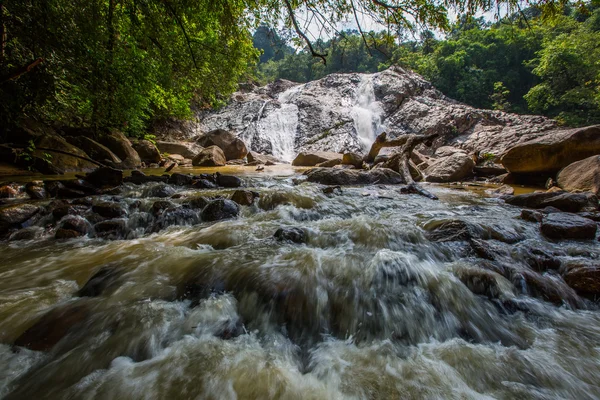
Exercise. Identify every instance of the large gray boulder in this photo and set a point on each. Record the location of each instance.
(147, 151)
(310, 159)
(211, 156)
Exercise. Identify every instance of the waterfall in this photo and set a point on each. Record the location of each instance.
(279, 126)
(366, 113)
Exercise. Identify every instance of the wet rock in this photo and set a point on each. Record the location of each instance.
(60, 210)
(210, 157)
(552, 152)
(254, 157)
(332, 190)
(489, 170)
(159, 206)
(539, 260)
(139, 178)
(531, 215)
(29, 233)
(291, 234)
(593, 215)
(584, 277)
(17, 215)
(453, 168)
(180, 179)
(147, 151)
(549, 288)
(36, 190)
(75, 225)
(196, 202)
(53, 187)
(186, 149)
(204, 184)
(244, 197)
(108, 209)
(176, 216)
(568, 226)
(353, 159)
(106, 278)
(482, 282)
(451, 231)
(75, 188)
(233, 148)
(342, 177)
(228, 181)
(54, 326)
(160, 190)
(105, 177)
(121, 146)
(581, 176)
(9, 191)
(569, 202)
(220, 209)
(111, 229)
(447, 151)
(310, 159)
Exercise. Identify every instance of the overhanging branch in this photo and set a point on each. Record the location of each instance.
(303, 35)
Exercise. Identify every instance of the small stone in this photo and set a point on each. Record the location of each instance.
(291, 234)
(108, 209)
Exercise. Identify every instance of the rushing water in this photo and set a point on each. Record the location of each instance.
(366, 113)
(368, 308)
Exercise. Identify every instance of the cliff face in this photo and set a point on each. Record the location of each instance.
(345, 112)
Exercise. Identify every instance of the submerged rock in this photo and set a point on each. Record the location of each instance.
(244, 197)
(342, 177)
(568, 226)
(584, 277)
(109, 209)
(220, 209)
(582, 176)
(291, 234)
(15, 216)
(105, 278)
(72, 226)
(111, 229)
(569, 202)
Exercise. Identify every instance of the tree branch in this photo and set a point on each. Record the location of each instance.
(303, 35)
(185, 34)
(20, 71)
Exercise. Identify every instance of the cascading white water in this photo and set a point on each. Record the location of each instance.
(279, 126)
(366, 113)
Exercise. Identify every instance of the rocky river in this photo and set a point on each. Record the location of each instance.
(293, 291)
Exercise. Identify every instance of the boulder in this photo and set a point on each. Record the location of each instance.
(72, 226)
(228, 181)
(186, 149)
(211, 156)
(111, 229)
(15, 216)
(334, 176)
(94, 150)
(450, 169)
(147, 151)
(109, 209)
(569, 202)
(233, 148)
(254, 157)
(568, 226)
(9, 191)
(104, 279)
(220, 209)
(330, 163)
(177, 158)
(244, 197)
(180, 179)
(447, 151)
(551, 153)
(60, 154)
(36, 190)
(581, 176)
(204, 184)
(353, 159)
(310, 159)
(503, 190)
(138, 178)
(584, 277)
(121, 146)
(160, 190)
(291, 234)
(105, 177)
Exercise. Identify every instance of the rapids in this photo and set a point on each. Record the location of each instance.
(368, 308)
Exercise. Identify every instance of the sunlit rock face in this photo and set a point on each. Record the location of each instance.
(345, 112)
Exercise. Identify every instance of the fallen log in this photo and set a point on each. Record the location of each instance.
(399, 161)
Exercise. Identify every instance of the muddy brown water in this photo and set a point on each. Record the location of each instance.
(368, 308)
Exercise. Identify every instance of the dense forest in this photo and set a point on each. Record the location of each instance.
(522, 64)
(126, 63)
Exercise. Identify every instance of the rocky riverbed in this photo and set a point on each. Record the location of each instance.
(247, 284)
